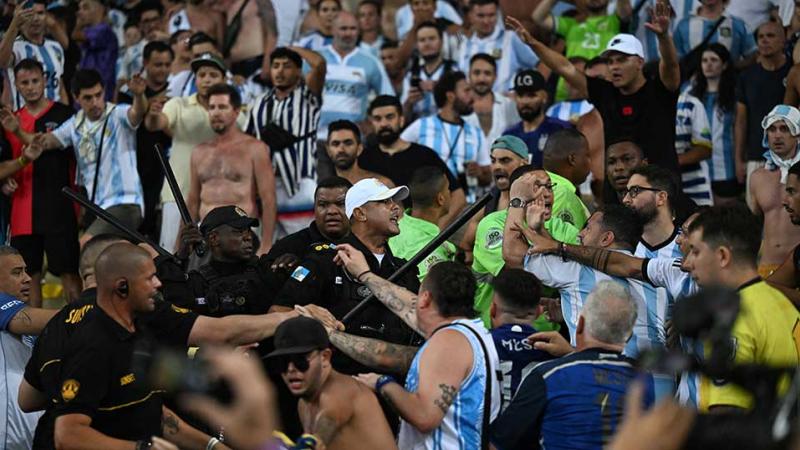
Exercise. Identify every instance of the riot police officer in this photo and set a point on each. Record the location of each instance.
(373, 210)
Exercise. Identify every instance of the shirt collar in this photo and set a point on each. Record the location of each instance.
(420, 224)
(561, 181)
(747, 284)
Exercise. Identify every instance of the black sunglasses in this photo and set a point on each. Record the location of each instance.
(280, 364)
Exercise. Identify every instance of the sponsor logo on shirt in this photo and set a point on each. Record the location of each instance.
(180, 310)
(494, 238)
(69, 389)
(77, 315)
(127, 379)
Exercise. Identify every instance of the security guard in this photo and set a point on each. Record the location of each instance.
(233, 282)
(374, 212)
(330, 225)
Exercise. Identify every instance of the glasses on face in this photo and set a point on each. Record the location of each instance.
(280, 364)
(633, 191)
(547, 186)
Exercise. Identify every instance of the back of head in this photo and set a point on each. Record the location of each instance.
(119, 260)
(519, 291)
(92, 250)
(734, 227)
(447, 83)
(624, 223)
(452, 286)
(609, 313)
(795, 169)
(425, 184)
(561, 144)
(661, 179)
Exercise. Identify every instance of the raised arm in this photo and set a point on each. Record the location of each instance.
(10, 123)
(156, 120)
(193, 196)
(138, 109)
(380, 355)
(269, 32)
(21, 15)
(668, 68)
(29, 154)
(315, 79)
(557, 62)
(542, 15)
(265, 184)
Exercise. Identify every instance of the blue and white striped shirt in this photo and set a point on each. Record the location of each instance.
(427, 106)
(461, 426)
(314, 40)
(119, 182)
(682, 9)
(349, 82)
(723, 164)
(456, 144)
(691, 129)
(404, 17)
(511, 54)
(570, 110)
(50, 55)
(732, 33)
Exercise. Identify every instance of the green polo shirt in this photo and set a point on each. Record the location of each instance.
(567, 206)
(415, 234)
(487, 257)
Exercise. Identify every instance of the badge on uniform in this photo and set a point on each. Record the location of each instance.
(70, 389)
(300, 273)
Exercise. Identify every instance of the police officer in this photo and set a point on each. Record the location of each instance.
(330, 225)
(374, 211)
(232, 282)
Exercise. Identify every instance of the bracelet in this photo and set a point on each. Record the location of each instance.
(23, 161)
(383, 381)
(212, 443)
(358, 277)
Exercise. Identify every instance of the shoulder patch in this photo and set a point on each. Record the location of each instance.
(69, 389)
(300, 273)
(494, 238)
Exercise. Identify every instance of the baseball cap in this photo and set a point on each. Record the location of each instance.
(227, 215)
(512, 144)
(299, 335)
(528, 80)
(625, 43)
(208, 59)
(371, 190)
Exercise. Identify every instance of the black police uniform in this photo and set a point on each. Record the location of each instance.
(299, 244)
(319, 280)
(82, 362)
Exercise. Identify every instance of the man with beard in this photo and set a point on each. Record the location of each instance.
(494, 112)
(337, 412)
(426, 68)
(786, 277)
(782, 137)
(344, 147)
(458, 143)
(396, 158)
(234, 168)
(535, 127)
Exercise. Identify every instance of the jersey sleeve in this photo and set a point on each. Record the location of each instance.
(64, 132)
(380, 82)
(9, 307)
(666, 273)
(121, 114)
(411, 134)
(747, 43)
(526, 58)
(171, 324)
(171, 109)
(552, 271)
(521, 420)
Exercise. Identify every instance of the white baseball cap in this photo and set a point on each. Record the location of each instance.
(625, 43)
(371, 190)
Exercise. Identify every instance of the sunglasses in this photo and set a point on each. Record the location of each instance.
(280, 364)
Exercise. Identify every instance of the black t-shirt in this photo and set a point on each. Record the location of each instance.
(760, 90)
(647, 116)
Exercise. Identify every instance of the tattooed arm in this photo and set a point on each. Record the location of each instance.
(399, 300)
(182, 434)
(445, 363)
(380, 355)
(30, 320)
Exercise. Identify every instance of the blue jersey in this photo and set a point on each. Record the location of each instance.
(731, 33)
(517, 355)
(537, 138)
(51, 55)
(574, 402)
(9, 307)
(723, 164)
(692, 130)
(314, 40)
(506, 47)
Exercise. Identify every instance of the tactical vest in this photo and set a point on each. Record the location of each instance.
(237, 293)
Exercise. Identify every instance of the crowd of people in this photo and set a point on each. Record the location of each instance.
(616, 185)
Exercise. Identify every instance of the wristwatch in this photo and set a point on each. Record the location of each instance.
(517, 202)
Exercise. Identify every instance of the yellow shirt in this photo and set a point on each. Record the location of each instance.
(767, 332)
(190, 127)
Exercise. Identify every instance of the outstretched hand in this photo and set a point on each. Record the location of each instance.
(33, 150)
(8, 120)
(660, 18)
(540, 244)
(352, 259)
(521, 31)
(551, 342)
(321, 315)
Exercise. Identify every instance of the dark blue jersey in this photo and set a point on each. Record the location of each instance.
(574, 402)
(517, 355)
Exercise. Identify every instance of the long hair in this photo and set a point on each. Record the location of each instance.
(727, 82)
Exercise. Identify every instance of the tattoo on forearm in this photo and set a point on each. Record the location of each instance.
(398, 299)
(447, 397)
(170, 424)
(590, 256)
(375, 353)
(22, 317)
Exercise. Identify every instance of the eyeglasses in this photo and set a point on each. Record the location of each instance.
(280, 364)
(547, 186)
(634, 191)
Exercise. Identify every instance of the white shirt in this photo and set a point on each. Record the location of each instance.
(504, 115)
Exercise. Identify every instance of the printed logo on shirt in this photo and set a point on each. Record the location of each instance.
(725, 31)
(77, 315)
(300, 273)
(69, 389)
(180, 310)
(627, 110)
(363, 291)
(127, 379)
(494, 238)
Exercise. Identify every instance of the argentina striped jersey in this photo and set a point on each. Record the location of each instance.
(680, 8)
(50, 55)
(404, 17)
(569, 110)
(427, 105)
(348, 84)
(731, 33)
(723, 164)
(314, 40)
(511, 54)
(691, 129)
(298, 114)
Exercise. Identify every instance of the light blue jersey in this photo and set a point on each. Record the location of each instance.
(681, 8)
(349, 82)
(50, 55)
(461, 425)
(692, 130)
(570, 110)
(456, 144)
(314, 40)
(119, 182)
(427, 106)
(731, 33)
(723, 164)
(512, 55)
(404, 17)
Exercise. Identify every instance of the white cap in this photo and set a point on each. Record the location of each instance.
(625, 43)
(371, 190)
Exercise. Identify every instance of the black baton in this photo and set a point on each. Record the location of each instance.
(169, 175)
(462, 219)
(113, 221)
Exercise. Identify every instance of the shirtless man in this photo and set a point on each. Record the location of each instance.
(233, 168)
(782, 134)
(198, 15)
(338, 411)
(256, 35)
(344, 147)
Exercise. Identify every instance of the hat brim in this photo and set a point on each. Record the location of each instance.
(397, 194)
(610, 51)
(240, 224)
(196, 65)
(297, 350)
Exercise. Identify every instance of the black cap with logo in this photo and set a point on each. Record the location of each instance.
(528, 81)
(227, 215)
(299, 335)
